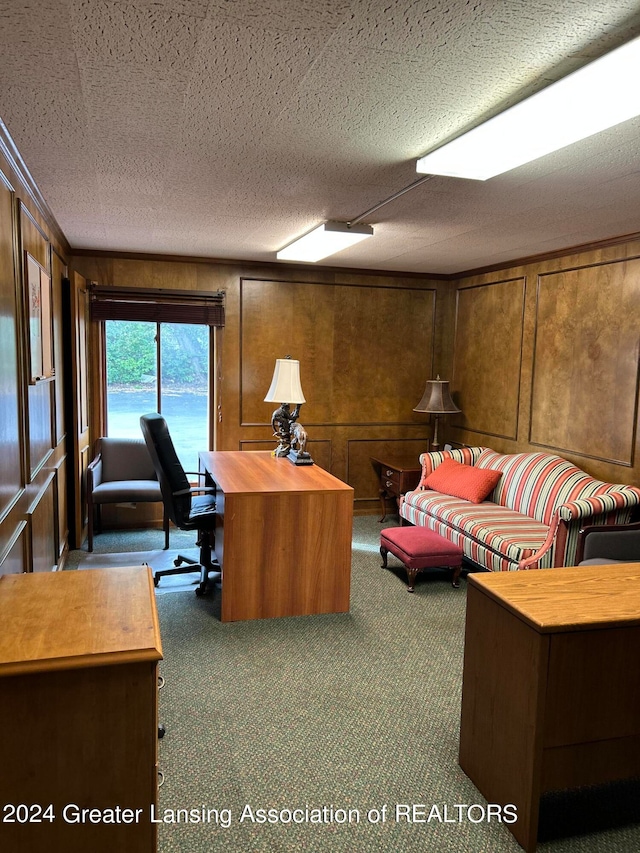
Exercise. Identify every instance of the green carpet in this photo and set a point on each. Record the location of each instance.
(344, 715)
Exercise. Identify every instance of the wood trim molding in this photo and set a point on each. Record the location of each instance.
(10, 151)
(607, 243)
(266, 265)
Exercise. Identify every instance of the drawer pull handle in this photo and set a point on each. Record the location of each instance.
(160, 778)
(160, 682)
(389, 473)
(388, 484)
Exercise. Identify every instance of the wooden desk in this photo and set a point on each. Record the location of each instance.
(78, 708)
(283, 536)
(551, 687)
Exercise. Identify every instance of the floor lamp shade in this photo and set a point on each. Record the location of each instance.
(437, 401)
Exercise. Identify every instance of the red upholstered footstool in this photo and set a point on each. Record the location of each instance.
(419, 548)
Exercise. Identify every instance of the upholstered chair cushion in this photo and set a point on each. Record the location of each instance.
(127, 491)
(126, 459)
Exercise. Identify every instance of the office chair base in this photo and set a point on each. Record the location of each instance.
(209, 574)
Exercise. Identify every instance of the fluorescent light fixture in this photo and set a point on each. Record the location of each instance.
(326, 239)
(597, 96)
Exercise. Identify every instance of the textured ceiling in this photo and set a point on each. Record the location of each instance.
(225, 128)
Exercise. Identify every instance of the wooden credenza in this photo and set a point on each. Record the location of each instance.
(79, 653)
(551, 686)
(283, 536)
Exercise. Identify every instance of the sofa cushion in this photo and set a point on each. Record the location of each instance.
(463, 481)
(499, 529)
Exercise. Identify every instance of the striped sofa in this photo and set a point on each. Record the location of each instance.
(530, 520)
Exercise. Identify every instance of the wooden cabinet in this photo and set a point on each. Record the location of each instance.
(551, 692)
(79, 652)
(396, 477)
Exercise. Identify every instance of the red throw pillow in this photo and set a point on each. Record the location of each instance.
(463, 481)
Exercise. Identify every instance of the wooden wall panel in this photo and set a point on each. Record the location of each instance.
(365, 351)
(40, 397)
(487, 353)
(14, 559)
(585, 368)
(578, 383)
(61, 511)
(11, 477)
(33, 458)
(351, 342)
(58, 272)
(44, 550)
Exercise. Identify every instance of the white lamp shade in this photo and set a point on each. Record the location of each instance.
(285, 385)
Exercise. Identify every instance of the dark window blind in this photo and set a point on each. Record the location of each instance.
(156, 305)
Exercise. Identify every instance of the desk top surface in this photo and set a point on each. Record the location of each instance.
(76, 619)
(257, 471)
(576, 598)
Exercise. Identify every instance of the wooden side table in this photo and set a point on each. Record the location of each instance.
(551, 692)
(396, 476)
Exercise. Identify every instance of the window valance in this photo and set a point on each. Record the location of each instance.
(156, 305)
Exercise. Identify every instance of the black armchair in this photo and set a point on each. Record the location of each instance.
(190, 508)
(609, 543)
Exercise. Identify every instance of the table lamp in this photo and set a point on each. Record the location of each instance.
(437, 401)
(286, 389)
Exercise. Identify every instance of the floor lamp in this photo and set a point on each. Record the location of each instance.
(437, 401)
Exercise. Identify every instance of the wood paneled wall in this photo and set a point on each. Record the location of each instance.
(546, 357)
(366, 344)
(33, 498)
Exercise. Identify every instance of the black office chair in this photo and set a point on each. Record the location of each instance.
(190, 508)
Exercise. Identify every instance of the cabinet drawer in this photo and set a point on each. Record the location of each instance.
(390, 479)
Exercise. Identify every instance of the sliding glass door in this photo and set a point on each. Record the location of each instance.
(160, 367)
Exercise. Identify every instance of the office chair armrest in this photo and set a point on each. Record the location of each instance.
(195, 490)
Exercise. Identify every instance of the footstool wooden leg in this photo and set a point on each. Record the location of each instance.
(411, 577)
(455, 580)
(383, 554)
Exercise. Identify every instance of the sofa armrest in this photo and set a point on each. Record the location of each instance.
(530, 560)
(572, 515)
(587, 507)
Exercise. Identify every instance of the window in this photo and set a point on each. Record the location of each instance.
(159, 345)
(159, 367)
